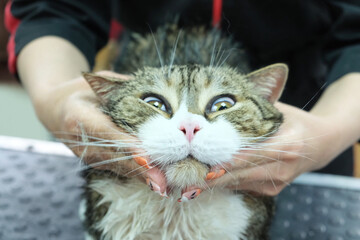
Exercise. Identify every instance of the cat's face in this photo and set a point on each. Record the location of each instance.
(193, 111)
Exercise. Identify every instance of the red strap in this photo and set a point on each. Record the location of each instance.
(11, 24)
(217, 9)
(116, 29)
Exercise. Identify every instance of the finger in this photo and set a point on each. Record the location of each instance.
(215, 172)
(269, 188)
(189, 193)
(156, 181)
(247, 159)
(193, 192)
(94, 131)
(271, 171)
(142, 161)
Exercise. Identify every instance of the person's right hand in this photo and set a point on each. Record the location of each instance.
(72, 113)
(49, 68)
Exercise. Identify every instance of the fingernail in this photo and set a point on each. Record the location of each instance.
(142, 162)
(214, 175)
(155, 187)
(185, 197)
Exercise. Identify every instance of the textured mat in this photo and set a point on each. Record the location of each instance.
(40, 193)
(39, 197)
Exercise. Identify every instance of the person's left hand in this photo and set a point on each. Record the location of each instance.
(304, 143)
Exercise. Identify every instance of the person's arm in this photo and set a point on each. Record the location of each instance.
(310, 140)
(84, 23)
(53, 42)
(50, 68)
(340, 106)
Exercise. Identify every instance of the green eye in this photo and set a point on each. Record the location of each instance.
(222, 103)
(156, 102)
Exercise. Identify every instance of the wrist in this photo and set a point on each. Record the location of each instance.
(338, 107)
(328, 139)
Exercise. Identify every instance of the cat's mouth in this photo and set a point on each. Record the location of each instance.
(190, 156)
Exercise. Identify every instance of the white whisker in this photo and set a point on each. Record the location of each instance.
(173, 53)
(157, 49)
(317, 93)
(213, 52)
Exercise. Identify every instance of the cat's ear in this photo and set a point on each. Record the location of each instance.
(270, 81)
(102, 85)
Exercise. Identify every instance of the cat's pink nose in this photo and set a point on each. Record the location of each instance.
(189, 129)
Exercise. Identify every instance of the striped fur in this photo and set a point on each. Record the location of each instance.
(188, 70)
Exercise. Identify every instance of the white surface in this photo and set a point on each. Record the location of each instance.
(328, 180)
(38, 146)
(17, 115)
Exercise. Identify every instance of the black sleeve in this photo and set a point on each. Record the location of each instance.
(85, 23)
(342, 46)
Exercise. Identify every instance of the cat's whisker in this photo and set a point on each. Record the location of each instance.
(145, 169)
(157, 49)
(104, 162)
(227, 170)
(282, 151)
(102, 143)
(94, 137)
(220, 58)
(262, 157)
(218, 52)
(84, 138)
(223, 62)
(117, 146)
(132, 133)
(115, 153)
(246, 161)
(213, 52)
(268, 174)
(113, 160)
(173, 53)
(206, 186)
(282, 137)
(317, 93)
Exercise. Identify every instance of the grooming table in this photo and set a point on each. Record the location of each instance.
(40, 192)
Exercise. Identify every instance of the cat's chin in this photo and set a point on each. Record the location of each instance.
(185, 173)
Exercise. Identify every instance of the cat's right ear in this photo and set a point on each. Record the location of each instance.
(102, 85)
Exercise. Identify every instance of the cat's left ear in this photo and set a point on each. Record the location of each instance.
(270, 81)
(102, 85)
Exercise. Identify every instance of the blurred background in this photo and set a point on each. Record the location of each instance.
(17, 116)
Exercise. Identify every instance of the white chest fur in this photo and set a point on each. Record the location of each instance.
(137, 213)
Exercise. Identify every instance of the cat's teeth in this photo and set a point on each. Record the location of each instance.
(164, 194)
(187, 196)
(183, 199)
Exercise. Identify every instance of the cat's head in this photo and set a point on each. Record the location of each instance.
(196, 112)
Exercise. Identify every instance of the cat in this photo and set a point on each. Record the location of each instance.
(192, 106)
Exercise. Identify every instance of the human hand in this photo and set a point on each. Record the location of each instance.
(305, 142)
(72, 113)
(49, 67)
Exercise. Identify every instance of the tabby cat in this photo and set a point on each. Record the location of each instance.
(192, 105)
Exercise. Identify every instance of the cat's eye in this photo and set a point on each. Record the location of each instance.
(156, 102)
(222, 103)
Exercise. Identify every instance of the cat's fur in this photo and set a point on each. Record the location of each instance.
(188, 71)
